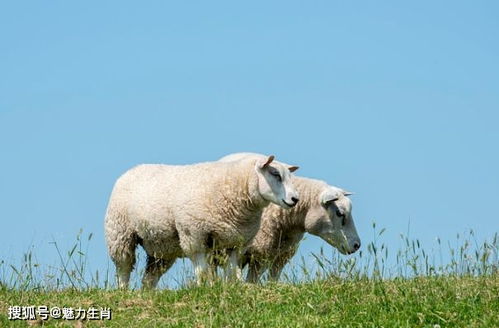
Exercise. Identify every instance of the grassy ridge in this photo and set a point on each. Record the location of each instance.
(420, 302)
(412, 288)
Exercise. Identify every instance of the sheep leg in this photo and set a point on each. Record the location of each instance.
(212, 269)
(201, 267)
(275, 270)
(123, 257)
(254, 272)
(123, 275)
(155, 268)
(233, 270)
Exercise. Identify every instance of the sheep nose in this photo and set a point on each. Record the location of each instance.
(356, 246)
(295, 200)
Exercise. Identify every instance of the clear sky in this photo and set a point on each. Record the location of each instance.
(396, 102)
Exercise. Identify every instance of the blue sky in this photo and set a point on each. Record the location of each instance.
(396, 102)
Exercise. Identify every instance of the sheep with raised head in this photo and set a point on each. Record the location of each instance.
(191, 210)
(324, 211)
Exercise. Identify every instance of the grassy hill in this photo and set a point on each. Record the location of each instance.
(418, 302)
(361, 291)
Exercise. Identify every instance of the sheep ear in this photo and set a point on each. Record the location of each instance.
(293, 168)
(269, 160)
(328, 197)
(347, 193)
(328, 201)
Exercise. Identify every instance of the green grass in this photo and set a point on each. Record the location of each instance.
(418, 302)
(412, 288)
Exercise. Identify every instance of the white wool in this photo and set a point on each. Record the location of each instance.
(175, 211)
(281, 231)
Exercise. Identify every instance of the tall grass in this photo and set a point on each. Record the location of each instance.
(463, 256)
(451, 284)
(71, 270)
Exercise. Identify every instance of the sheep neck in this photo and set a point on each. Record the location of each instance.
(293, 220)
(243, 203)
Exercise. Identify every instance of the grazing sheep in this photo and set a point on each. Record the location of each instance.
(191, 210)
(324, 211)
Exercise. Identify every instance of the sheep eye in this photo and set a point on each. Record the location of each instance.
(341, 215)
(276, 174)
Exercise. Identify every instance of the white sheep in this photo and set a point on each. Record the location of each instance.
(324, 211)
(187, 210)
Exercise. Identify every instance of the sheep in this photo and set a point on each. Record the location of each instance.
(324, 211)
(177, 211)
